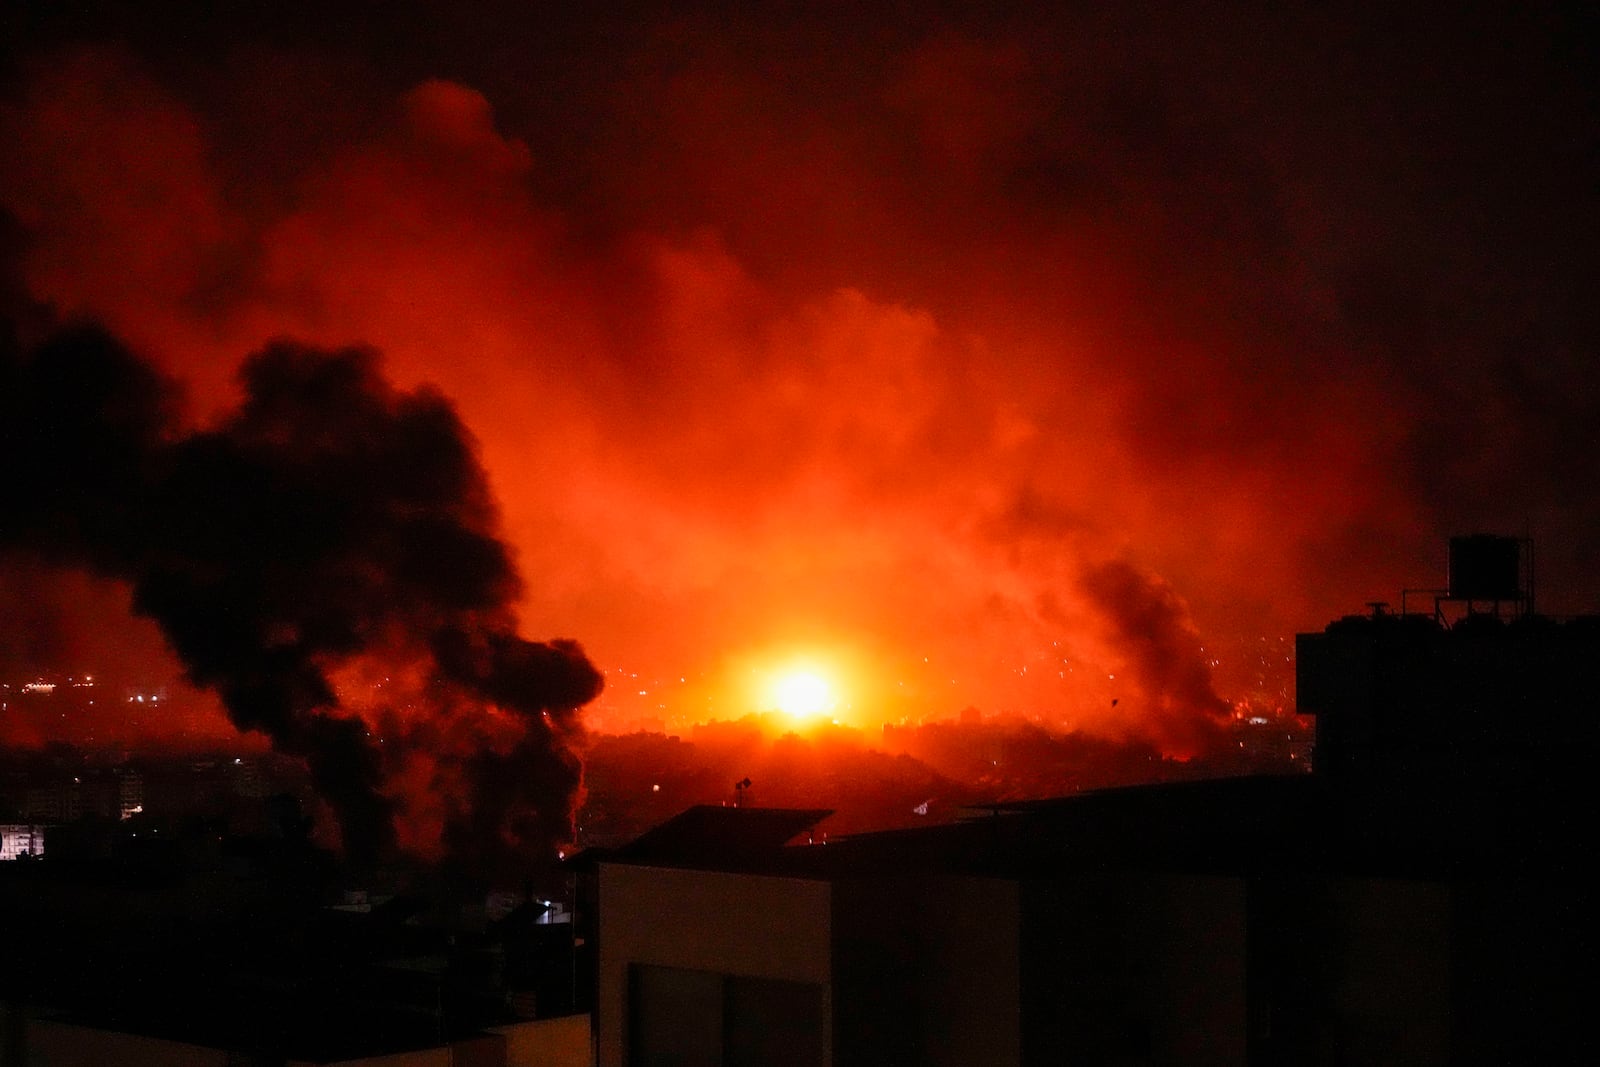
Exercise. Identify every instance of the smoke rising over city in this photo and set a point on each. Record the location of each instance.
(995, 530)
(1048, 361)
(325, 559)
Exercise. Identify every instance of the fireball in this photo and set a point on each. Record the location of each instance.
(802, 695)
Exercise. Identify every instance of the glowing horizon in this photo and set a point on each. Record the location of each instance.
(803, 695)
(1040, 388)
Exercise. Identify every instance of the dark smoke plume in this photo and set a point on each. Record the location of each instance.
(326, 560)
(1180, 705)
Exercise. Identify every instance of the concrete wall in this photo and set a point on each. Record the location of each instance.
(1352, 970)
(729, 924)
(971, 978)
(426, 1057)
(54, 1044)
(1389, 990)
(877, 967)
(1134, 968)
(559, 1042)
(1516, 942)
(486, 1050)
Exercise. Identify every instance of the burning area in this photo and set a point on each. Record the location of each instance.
(325, 559)
(1056, 362)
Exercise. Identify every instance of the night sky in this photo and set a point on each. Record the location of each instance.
(1028, 360)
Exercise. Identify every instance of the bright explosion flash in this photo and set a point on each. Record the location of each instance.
(801, 695)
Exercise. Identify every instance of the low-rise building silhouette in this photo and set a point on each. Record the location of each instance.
(1417, 900)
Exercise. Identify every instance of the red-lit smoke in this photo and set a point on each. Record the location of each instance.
(328, 529)
(1033, 363)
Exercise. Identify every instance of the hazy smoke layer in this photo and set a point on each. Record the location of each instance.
(324, 557)
(1180, 707)
(879, 330)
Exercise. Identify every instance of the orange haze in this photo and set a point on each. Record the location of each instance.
(917, 358)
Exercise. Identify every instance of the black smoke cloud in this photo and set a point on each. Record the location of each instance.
(1265, 300)
(325, 559)
(1168, 663)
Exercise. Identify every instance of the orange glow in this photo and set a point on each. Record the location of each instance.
(801, 388)
(802, 695)
(787, 685)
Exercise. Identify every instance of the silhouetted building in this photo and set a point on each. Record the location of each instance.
(1474, 727)
(72, 798)
(1418, 900)
(159, 941)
